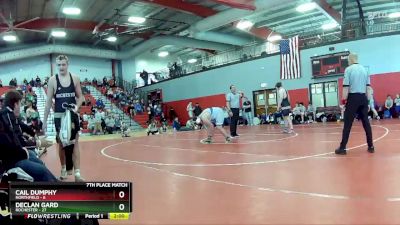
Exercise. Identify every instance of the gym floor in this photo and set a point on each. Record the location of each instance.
(262, 177)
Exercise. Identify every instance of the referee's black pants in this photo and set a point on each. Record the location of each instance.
(357, 103)
(234, 121)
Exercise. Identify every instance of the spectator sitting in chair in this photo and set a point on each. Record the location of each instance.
(14, 154)
(397, 103)
(388, 107)
(311, 113)
(299, 111)
(110, 124)
(91, 123)
(152, 128)
(124, 130)
(100, 103)
(117, 123)
(164, 122)
(177, 126)
(138, 107)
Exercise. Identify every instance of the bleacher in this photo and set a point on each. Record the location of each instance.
(4, 89)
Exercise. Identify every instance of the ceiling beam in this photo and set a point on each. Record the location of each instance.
(203, 11)
(329, 11)
(239, 4)
(259, 32)
(183, 6)
(74, 24)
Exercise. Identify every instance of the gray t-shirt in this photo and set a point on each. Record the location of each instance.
(389, 103)
(356, 77)
(233, 99)
(397, 101)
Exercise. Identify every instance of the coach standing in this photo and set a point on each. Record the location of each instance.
(355, 83)
(233, 105)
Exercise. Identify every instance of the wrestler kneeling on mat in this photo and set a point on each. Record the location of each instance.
(212, 118)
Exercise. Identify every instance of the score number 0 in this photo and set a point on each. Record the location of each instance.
(121, 195)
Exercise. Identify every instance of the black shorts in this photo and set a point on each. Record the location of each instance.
(74, 125)
(286, 112)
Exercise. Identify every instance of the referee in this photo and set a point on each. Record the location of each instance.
(233, 105)
(355, 91)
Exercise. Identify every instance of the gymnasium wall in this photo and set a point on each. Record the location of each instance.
(129, 69)
(40, 65)
(87, 67)
(380, 55)
(27, 68)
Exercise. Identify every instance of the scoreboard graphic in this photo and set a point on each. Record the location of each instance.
(91, 200)
(329, 65)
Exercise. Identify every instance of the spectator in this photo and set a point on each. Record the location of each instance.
(381, 112)
(190, 109)
(1, 83)
(124, 130)
(38, 81)
(371, 103)
(172, 114)
(311, 112)
(247, 111)
(88, 102)
(388, 107)
(150, 112)
(99, 103)
(138, 107)
(85, 117)
(197, 110)
(110, 93)
(13, 83)
(397, 103)
(152, 128)
(91, 123)
(145, 76)
(110, 124)
(298, 110)
(117, 123)
(158, 110)
(32, 83)
(190, 124)
(98, 119)
(15, 154)
(164, 122)
(175, 124)
(105, 81)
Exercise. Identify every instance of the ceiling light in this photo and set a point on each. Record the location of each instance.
(244, 24)
(135, 19)
(192, 60)
(163, 54)
(274, 38)
(71, 10)
(305, 7)
(111, 39)
(329, 26)
(394, 15)
(9, 37)
(58, 33)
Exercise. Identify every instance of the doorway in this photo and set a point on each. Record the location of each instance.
(324, 94)
(265, 101)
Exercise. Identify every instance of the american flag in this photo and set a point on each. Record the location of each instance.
(290, 58)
